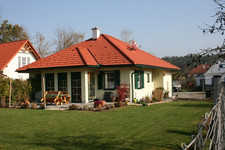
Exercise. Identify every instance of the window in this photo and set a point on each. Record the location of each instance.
(148, 77)
(108, 80)
(24, 61)
(62, 82)
(49, 82)
(139, 79)
(19, 61)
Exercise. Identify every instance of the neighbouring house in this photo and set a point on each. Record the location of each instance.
(198, 74)
(218, 69)
(97, 66)
(15, 55)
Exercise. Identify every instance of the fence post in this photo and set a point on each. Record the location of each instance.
(216, 88)
(222, 116)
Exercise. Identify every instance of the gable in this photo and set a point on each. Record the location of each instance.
(9, 50)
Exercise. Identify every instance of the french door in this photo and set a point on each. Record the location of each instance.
(76, 87)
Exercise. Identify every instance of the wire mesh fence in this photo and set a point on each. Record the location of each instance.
(211, 133)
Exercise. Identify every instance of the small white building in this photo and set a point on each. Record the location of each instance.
(218, 69)
(15, 55)
(92, 68)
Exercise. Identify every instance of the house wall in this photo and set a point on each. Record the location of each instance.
(167, 82)
(156, 79)
(10, 69)
(148, 86)
(215, 70)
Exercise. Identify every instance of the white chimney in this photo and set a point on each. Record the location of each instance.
(95, 33)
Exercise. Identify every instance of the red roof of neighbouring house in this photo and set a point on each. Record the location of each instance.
(9, 50)
(200, 69)
(104, 51)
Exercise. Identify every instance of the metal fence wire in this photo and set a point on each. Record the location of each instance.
(211, 134)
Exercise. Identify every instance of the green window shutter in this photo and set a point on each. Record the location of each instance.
(100, 80)
(143, 79)
(136, 80)
(117, 78)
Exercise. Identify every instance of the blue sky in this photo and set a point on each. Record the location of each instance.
(162, 28)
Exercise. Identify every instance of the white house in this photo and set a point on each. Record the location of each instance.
(218, 69)
(15, 55)
(98, 65)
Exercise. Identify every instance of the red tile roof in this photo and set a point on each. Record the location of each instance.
(200, 69)
(104, 51)
(9, 50)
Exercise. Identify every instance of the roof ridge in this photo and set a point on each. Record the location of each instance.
(92, 56)
(78, 49)
(14, 41)
(117, 48)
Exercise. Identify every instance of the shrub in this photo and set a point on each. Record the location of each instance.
(108, 106)
(154, 99)
(148, 100)
(34, 106)
(3, 104)
(90, 108)
(122, 91)
(25, 106)
(118, 104)
(144, 104)
(42, 106)
(73, 107)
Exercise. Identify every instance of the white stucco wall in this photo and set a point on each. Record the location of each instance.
(10, 69)
(159, 80)
(167, 82)
(214, 71)
(148, 86)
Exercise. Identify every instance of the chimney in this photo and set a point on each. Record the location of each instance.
(95, 33)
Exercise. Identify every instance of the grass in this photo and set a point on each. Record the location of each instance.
(163, 126)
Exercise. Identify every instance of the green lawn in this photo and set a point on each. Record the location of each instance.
(163, 126)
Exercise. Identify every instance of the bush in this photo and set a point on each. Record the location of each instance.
(42, 106)
(118, 104)
(34, 106)
(148, 100)
(154, 99)
(3, 104)
(25, 106)
(90, 108)
(144, 104)
(108, 106)
(73, 107)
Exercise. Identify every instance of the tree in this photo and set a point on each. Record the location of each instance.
(126, 36)
(10, 33)
(217, 27)
(42, 46)
(67, 37)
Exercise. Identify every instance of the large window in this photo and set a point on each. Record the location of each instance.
(139, 79)
(62, 82)
(108, 80)
(49, 82)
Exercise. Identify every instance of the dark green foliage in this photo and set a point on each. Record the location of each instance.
(4, 88)
(184, 61)
(10, 33)
(21, 90)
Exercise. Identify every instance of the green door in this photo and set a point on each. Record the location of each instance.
(76, 87)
